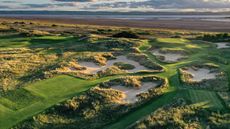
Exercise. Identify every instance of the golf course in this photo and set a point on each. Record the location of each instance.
(81, 77)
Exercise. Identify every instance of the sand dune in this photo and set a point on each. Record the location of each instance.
(223, 45)
(92, 68)
(201, 74)
(131, 93)
(168, 57)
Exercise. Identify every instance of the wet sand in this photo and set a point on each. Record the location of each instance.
(185, 24)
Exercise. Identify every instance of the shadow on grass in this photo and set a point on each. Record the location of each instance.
(18, 99)
(141, 111)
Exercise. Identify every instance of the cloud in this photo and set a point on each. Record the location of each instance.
(4, 7)
(87, 0)
(166, 5)
(48, 5)
(185, 3)
(9, 1)
(118, 5)
(38, 5)
(76, 0)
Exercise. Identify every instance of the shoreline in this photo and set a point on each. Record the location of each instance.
(175, 24)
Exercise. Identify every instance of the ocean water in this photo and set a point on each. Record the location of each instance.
(220, 18)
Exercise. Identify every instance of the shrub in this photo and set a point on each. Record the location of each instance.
(145, 61)
(181, 115)
(132, 81)
(113, 70)
(221, 37)
(126, 34)
(124, 66)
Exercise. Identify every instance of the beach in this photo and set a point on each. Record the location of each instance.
(193, 24)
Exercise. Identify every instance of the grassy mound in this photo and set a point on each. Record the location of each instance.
(124, 66)
(181, 114)
(145, 61)
(125, 34)
(219, 83)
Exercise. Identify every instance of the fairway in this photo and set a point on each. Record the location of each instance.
(208, 97)
(60, 88)
(81, 77)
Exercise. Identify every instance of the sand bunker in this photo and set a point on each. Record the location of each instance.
(131, 93)
(223, 45)
(169, 57)
(92, 68)
(201, 74)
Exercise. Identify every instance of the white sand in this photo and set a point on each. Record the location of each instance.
(201, 74)
(223, 45)
(92, 68)
(131, 92)
(169, 57)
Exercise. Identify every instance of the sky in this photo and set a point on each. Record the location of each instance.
(118, 5)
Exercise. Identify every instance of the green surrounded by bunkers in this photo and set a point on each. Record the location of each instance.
(68, 76)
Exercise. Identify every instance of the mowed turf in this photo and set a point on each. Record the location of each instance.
(15, 40)
(50, 92)
(210, 98)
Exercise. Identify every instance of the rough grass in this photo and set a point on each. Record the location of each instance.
(141, 112)
(43, 94)
(208, 99)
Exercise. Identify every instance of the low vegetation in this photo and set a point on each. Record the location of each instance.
(126, 34)
(181, 114)
(124, 66)
(214, 79)
(222, 37)
(76, 76)
(96, 107)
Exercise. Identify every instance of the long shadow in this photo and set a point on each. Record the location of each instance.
(11, 36)
(141, 111)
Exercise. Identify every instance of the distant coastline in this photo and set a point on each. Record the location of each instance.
(211, 22)
(119, 15)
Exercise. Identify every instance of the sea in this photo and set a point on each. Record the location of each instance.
(221, 17)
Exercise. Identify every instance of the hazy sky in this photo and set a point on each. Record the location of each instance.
(117, 5)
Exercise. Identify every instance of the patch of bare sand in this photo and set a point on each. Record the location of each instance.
(223, 45)
(131, 92)
(169, 57)
(201, 74)
(92, 68)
